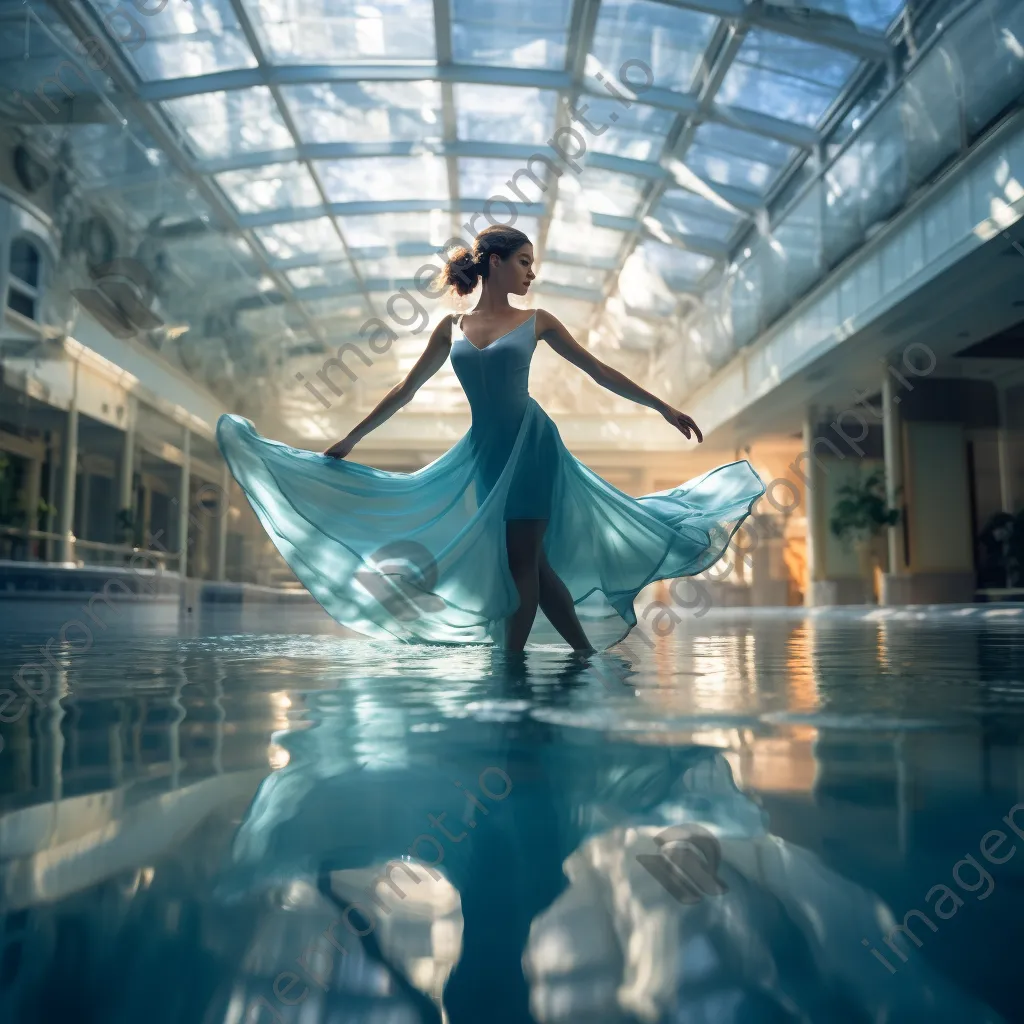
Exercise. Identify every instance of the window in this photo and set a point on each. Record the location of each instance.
(24, 272)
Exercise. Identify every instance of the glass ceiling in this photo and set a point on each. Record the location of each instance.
(345, 141)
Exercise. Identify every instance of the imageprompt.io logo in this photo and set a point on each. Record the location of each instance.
(686, 865)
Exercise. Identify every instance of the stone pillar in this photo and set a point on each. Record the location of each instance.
(69, 457)
(126, 494)
(33, 494)
(84, 501)
(222, 524)
(146, 512)
(51, 490)
(892, 442)
(184, 502)
(1007, 499)
(812, 501)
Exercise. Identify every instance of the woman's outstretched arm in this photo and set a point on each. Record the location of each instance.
(432, 359)
(554, 333)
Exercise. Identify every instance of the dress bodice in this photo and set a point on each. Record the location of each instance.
(496, 377)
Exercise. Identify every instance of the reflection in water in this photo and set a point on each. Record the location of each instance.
(289, 828)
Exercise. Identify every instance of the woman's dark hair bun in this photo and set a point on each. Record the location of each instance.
(465, 265)
(461, 270)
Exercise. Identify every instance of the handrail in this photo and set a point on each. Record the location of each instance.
(127, 550)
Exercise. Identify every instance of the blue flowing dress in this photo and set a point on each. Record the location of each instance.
(421, 556)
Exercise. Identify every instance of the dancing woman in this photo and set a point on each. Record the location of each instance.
(507, 520)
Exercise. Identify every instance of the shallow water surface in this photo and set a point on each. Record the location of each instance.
(301, 827)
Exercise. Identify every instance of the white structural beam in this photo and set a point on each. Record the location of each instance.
(126, 497)
(1007, 498)
(184, 502)
(224, 510)
(892, 442)
(69, 465)
(812, 504)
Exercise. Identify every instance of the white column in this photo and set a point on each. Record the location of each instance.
(184, 501)
(126, 496)
(85, 500)
(33, 492)
(147, 514)
(51, 490)
(892, 444)
(1007, 500)
(70, 469)
(222, 524)
(812, 500)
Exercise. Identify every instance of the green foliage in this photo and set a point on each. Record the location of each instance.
(12, 512)
(14, 500)
(1001, 547)
(862, 510)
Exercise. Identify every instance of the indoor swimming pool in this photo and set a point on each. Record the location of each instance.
(302, 827)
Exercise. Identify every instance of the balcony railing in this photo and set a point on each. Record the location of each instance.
(970, 73)
(21, 545)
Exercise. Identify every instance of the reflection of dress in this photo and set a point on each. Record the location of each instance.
(421, 556)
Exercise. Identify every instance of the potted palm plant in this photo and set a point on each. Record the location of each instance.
(860, 517)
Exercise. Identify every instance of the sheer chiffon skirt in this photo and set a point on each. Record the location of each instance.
(420, 557)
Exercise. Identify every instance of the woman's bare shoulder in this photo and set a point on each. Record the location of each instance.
(546, 322)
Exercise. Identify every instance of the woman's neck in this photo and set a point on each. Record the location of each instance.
(492, 305)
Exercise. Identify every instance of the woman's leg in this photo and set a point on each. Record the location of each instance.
(523, 540)
(556, 603)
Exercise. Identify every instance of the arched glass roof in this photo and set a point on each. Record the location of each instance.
(334, 145)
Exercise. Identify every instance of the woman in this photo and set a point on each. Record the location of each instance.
(467, 548)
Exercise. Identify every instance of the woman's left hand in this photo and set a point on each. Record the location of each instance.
(682, 422)
(340, 449)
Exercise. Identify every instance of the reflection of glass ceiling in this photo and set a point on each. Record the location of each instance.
(345, 141)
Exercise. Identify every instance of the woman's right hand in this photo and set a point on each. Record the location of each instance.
(341, 448)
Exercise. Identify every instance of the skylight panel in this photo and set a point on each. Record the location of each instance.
(367, 111)
(504, 113)
(379, 179)
(597, 190)
(571, 276)
(270, 187)
(678, 268)
(531, 34)
(344, 31)
(785, 77)
(685, 213)
(481, 178)
(728, 156)
(179, 41)
(670, 40)
(637, 132)
(223, 124)
(322, 275)
(366, 231)
(581, 239)
(299, 238)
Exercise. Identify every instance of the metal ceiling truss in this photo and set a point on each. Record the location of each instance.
(283, 110)
(715, 64)
(85, 25)
(737, 18)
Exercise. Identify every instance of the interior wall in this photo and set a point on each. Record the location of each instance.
(937, 498)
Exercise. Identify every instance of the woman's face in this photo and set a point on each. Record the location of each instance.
(515, 274)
